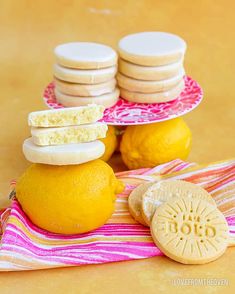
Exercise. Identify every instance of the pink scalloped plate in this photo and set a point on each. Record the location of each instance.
(128, 113)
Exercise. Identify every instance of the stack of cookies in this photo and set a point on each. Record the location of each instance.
(151, 67)
(85, 74)
(65, 136)
(185, 223)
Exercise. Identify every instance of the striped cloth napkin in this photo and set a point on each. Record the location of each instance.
(27, 247)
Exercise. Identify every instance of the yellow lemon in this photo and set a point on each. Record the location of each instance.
(110, 142)
(153, 144)
(68, 199)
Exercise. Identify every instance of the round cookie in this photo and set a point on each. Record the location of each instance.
(85, 55)
(163, 191)
(85, 89)
(149, 73)
(152, 48)
(190, 231)
(84, 76)
(134, 202)
(107, 100)
(157, 97)
(63, 154)
(142, 86)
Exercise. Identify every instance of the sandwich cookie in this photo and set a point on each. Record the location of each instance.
(84, 76)
(63, 154)
(142, 86)
(85, 89)
(152, 48)
(162, 191)
(150, 73)
(107, 100)
(190, 230)
(85, 55)
(66, 116)
(68, 135)
(157, 97)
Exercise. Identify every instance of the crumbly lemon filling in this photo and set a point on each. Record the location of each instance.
(66, 117)
(66, 135)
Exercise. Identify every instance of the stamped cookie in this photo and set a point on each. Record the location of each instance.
(190, 231)
(134, 202)
(162, 191)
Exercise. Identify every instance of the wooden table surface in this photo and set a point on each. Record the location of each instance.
(30, 30)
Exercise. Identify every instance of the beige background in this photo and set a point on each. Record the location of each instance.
(29, 30)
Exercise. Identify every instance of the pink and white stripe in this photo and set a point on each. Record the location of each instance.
(26, 247)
